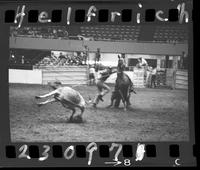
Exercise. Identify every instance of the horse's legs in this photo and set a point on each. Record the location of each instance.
(128, 101)
(117, 101)
(128, 98)
(125, 104)
(124, 99)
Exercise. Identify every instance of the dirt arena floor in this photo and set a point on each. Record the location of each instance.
(155, 115)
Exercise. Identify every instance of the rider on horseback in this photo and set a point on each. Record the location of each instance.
(120, 69)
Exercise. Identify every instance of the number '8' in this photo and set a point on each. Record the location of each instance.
(127, 162)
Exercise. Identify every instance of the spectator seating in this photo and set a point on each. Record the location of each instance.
(68, 60)
(137, 33)
(52, 32)
(111, 32)
(170, 34)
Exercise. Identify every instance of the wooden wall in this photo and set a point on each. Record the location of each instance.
(181, 79)
(177, 79)
(138, 79)
(105, 46)
(67, 75)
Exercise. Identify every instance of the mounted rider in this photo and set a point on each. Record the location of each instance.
(120, 68)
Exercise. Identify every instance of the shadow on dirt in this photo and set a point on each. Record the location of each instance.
(75, 120)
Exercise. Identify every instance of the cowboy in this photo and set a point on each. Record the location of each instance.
(153, 77)
(142, 62)
(103, 88)
(131, 85)
(91, 75)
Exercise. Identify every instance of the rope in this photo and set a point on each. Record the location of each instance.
(86, 81)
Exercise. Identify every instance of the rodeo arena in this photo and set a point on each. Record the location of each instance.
(98, 83)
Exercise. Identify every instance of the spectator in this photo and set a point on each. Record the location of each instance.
(91, 75)
(153, 77)
(22, 60)
(61, 56)
(142, 62)
(12, 59)
(62, 60)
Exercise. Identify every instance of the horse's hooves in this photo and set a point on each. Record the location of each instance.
(109, 106)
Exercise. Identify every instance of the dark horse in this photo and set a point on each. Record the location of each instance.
(122, 86)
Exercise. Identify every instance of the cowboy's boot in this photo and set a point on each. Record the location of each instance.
(96, 101)
(100, 97)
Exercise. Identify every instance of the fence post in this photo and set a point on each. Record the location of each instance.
(175, 67)
(174, 79)
(88, 72)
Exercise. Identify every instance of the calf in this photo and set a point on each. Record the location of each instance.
(67, 96)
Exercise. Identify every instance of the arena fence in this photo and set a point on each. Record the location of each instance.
(75, 75)
(138, 78)
(181, 79)
(25, 76)
(65, 74)
(177, 79)
(170, 78)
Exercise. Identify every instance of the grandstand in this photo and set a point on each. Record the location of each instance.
(152, 33)
(111, 32)
(156, 43)
(170, 34)
(31, 58)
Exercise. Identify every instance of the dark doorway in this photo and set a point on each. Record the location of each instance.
(152, 62)
(134, 61)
